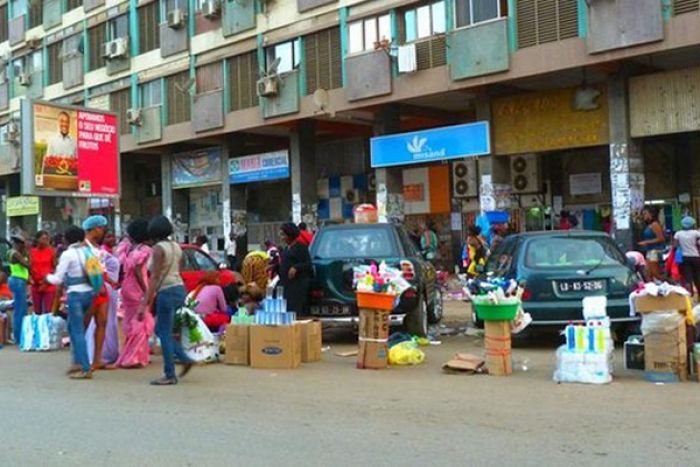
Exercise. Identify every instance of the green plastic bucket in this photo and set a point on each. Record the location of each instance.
(491, 312)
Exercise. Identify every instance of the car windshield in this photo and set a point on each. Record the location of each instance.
(355, 243)
(572, 252)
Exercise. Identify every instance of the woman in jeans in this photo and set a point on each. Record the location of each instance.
(687, 240)
(18, 258)
(167, 291)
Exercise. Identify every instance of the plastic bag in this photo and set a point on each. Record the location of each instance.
(406, 353)
(662, 322)
(205, 348)
(583, 367)
(35, 333)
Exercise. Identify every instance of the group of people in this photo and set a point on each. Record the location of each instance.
(136, 285)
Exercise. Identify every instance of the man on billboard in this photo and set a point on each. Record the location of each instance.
(62, 144)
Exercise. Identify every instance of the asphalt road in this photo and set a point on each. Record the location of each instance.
(330, 413)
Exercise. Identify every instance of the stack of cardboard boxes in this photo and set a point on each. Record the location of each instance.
(497, 340)
(373, 340)
(273, 347)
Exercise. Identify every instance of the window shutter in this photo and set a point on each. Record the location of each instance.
(322, 60)
(243, 76)
(527, 23)
(178, 101)
(4, 27)
(96, 37)
(685, 6)
(568, 19)
(149, 31)
(55, 58)
(431, 53)
(119, 102)
(209, 77)
(542, 21)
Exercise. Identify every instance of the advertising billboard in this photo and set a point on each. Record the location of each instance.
(196, 168)
(69, 151)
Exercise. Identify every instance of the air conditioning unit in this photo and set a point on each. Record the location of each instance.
(119, 47)
(13, 132)
(106, 50)
(33, 42)
(268, 86)
(464, 184)
(525, 174)
(25, 79)
(176, 18)
(134, 117)
(211, 9)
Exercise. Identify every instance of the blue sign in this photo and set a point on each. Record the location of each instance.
(259, 167)
(437, 144)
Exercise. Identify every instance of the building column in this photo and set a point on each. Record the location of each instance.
(225, 190)
(389, 180)
(302, 154)
(167, 185)
(626, 164)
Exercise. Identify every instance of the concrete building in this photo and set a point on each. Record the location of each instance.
(264, 110)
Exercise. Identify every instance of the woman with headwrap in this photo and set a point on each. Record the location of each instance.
(295, 270)
(687, 240)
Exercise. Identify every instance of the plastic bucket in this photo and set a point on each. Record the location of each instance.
(490, 312)
(376, 301)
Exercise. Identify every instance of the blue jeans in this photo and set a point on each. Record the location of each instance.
(167, 302)
(19, 295)
(78, 304)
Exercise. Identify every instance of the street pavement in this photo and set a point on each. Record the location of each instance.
(330, 413)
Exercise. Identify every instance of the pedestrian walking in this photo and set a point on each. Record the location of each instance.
(71, 273)
(167, 291)
(18, 257)
(43, 260)
(135, 352)
(687, 240)
(295, 270)
(653, 242)
(95, 228)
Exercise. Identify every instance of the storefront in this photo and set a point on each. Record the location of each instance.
(557, 147)
(261, 196)
(433, 190)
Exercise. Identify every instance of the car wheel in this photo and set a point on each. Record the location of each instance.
(417, 321)
(436, 307)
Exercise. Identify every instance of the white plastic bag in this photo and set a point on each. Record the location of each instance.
(582, 367)
(206, 349)
(661, 322)
(35, 333)
(26, 340)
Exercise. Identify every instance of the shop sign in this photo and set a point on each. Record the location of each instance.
(437, 144)
(22, 206)
(585, 184)
(196, 168)
(547, 121)
(69, 151)
(259, 167)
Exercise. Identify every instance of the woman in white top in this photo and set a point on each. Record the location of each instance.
(167, 290)
(687, 240)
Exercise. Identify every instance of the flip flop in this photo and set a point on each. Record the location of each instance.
(81, 375)
(164, 381)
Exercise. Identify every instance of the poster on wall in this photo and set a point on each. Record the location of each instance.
(585, 184)
(196, 168)
(69, 151)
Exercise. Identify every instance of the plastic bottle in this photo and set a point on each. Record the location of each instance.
(580, 338)
(570, 337)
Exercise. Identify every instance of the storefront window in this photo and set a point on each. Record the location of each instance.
(425, 21)
(289, 54)
(365, 32)
(468, 12)
(150, 94)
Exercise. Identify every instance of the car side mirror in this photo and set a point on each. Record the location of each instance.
(223, 266)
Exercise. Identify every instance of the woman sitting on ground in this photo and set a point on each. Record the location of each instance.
(211, 303)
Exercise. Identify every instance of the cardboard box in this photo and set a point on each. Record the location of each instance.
(237, 344)
(497, 335)
(372, 355)
(374, 324)
(275, 347)
(667, 352)
(311, 340)
(651, 304)
(499, 362)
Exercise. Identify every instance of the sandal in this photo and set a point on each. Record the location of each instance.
(186, 367)
(164, 381)
(81, 375)
(73, 369)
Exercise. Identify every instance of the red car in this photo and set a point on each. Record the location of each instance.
(196, 263)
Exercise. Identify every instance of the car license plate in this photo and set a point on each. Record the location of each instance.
(576, 286)
(335, 310)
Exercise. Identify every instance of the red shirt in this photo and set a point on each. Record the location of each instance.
(42, 262)
(305, 237)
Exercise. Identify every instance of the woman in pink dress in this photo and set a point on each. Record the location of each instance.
(135, 353)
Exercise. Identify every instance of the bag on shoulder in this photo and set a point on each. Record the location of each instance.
(94, 271)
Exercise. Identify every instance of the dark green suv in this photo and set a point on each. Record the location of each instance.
(337, 249)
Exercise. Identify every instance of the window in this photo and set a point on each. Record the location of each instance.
(96, 37)
(355, 243)
(424, 21)
(118, 27)
(150, 94)
(36, 14)
(289, 54)
(149, 33)
(178, 98)
(54, 54)
(119, 103)
(204, 263)
(4, 28)
(73, 4)
(210, 77)
(36, 62)
(468, 12)
(364, 33)
(322, 60)
(243, 74)
(572, 252)
(18, 8)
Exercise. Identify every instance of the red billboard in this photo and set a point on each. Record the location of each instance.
(70, 151)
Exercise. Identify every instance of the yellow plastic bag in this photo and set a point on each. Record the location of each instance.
(406, 353)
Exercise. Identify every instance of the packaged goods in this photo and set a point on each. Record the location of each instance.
(237, 340)
(275, 347)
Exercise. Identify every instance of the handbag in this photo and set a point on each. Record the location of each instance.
(678, 255)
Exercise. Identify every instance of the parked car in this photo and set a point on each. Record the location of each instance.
(560, 268)
(196, 263)
(337, 249)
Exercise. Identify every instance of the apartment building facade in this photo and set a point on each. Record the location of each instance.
(241, 114)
